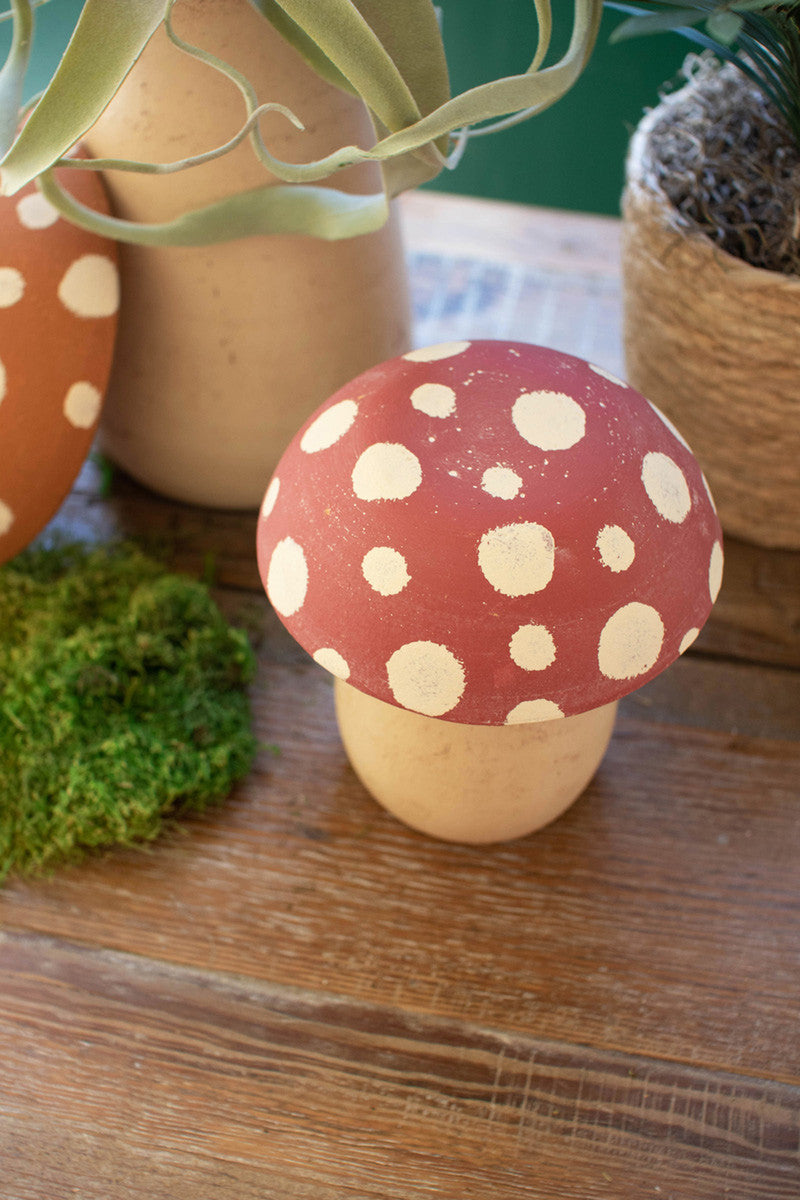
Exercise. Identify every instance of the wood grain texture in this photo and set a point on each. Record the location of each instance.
(244, 1086)
(293, 996)
(659, 914)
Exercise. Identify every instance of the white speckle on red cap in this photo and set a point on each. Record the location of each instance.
(270, 497)
(332, 661)
(631, 641)
(329, 427)
(501, 482)
(715, 571)
(532, 647)
(665, 484)
(82, 405)
(34, 211)
(517, 560)
(12, 286)
(287, 577)
(426, 677)
(549, 420)
(434, 399)
(530, 711)
(6, 517)
(616, 548)
(385, 570)
(386, 471)
(435, 353)
(541, 554)
(90, 286)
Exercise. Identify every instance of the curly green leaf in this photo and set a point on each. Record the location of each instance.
(392, 56)
(12, 74)
(106, 43)
(322, 212)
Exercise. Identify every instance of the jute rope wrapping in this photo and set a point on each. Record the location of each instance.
(715, 344)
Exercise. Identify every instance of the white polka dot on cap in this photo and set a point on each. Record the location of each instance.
(90, 287)
(435, 353)
(386, 471)
(34, 211)
(616, 548)
(530, 711)
(631, 641)
(549, 420)
(519, 559)
(12, 286)
(385, 570)
(6, 517)
(329, 427)
(665, 484)
(426, 677)
(332, 661)
(501, 482)
(434, 399)
(82, 404)
(287, 578)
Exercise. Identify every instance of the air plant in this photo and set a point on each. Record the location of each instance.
(390, 54)
(760, 37)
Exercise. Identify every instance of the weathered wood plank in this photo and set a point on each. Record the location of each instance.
(538, 239)
(730, 697)
(295, 996)
(659, 914)
(134, 1068)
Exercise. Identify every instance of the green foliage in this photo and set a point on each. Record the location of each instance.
(389, 54)
(761, 37)
(122, 702)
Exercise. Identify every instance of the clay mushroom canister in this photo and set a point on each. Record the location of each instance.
(59, 302)
(487, 544)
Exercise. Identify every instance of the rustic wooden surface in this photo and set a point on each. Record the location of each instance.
(294, 996)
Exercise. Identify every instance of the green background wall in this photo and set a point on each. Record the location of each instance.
(571, 156)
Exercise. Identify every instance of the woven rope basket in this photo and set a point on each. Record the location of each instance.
(715, 344)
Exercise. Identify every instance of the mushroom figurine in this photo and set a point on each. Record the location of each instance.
(59, 301)
(487, 544)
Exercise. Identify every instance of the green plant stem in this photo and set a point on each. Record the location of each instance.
(12, 74)
(326, 212)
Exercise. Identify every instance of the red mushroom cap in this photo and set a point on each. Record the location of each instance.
(490, 533)
(59, 300)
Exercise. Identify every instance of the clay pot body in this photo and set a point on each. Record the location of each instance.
(224, 350)
(712, 341)
(470, 783)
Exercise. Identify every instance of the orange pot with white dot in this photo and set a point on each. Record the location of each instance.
(59, 297)
(488, 544)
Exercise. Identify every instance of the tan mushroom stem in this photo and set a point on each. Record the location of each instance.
(470, 783)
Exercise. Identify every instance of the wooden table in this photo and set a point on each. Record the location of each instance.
(297, 997)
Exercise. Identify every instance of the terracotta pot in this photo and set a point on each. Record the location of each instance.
(712, 342)
(224, 350)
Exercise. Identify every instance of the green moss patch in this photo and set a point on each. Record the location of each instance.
(123, 702)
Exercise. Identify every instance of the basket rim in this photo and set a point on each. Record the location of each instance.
(642, 189)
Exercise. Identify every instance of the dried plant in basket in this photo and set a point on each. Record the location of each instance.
(711, 256)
